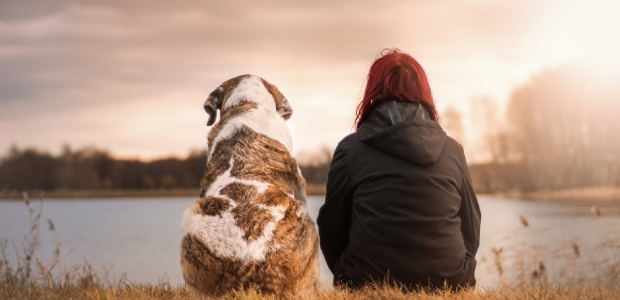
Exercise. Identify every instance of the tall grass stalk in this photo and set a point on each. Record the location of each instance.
(373, 292)
(23, 263)
(529, 256)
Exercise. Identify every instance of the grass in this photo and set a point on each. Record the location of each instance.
(530, 256)
(374, 292)
(26, 274)
(22, 263)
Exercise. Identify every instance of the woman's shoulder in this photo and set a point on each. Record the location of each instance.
(453, 143)
(346, 147)
(455, 150)
(351, 138)
(349, 142)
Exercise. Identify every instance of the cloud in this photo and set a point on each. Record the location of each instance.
(71, 59)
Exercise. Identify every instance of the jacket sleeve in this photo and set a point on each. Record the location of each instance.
(469, 213)
(334, 218)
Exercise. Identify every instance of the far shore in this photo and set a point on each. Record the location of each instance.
(311, 189)
(596, 195)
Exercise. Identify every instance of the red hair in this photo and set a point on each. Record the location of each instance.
(395, 75)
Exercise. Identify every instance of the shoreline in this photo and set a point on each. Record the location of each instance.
(311, 190)
(588, 195)
(609, 195)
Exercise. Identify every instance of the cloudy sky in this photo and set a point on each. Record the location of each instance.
(131, 76)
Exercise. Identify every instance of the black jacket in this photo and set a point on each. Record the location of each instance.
(400, 204)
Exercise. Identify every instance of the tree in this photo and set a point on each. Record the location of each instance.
(562, 128)
(452, 123)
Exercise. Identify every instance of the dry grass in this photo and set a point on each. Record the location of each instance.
(22, 263)
(531, 256)
(376, 292)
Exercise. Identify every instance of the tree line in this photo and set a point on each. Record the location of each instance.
(560, 130)
(93, 169)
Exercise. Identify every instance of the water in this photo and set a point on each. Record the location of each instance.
(141, 237)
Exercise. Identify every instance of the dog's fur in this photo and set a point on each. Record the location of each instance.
(250, 228)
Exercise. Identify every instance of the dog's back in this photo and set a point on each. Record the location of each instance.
(250, 228)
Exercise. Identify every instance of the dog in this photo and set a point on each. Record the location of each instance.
(250, 229)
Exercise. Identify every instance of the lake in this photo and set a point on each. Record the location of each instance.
(521, 241)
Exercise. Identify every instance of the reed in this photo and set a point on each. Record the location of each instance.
(23, 263)
(372, 292)
(525, 257)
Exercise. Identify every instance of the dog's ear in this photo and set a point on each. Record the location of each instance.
(282, 106)
(213, 103)
(284, 109)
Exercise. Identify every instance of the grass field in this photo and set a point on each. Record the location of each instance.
(8, 291)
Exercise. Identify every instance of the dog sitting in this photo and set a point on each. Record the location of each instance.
(250, 229)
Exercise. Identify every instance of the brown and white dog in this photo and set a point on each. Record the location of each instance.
(250, 228)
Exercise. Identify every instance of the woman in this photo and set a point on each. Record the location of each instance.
(400, 206)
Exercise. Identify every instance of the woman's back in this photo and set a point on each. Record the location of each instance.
(399, 203)
(406, 182)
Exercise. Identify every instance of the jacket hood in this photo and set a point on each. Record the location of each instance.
(404, 130)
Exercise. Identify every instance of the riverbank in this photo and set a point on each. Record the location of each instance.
(602, 195)
(311, 189)
(596, 195)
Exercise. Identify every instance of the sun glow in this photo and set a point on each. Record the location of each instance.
(586, 30)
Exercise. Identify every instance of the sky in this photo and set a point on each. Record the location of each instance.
(131, 76)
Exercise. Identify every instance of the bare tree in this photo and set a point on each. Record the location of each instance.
(452, 123)
(562, 126)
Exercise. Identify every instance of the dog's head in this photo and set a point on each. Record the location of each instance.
(246, 89)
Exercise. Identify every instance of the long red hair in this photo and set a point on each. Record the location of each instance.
(395, 75)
